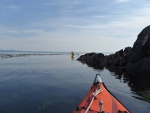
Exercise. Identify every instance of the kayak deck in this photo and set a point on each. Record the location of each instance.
(100, 100)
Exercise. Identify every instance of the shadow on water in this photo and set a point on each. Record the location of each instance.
(139, 86)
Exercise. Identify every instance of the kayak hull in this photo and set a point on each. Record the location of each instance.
(103, 102)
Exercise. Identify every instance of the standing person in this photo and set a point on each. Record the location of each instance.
(72, 55)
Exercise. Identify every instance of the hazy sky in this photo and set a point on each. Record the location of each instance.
(72, 25)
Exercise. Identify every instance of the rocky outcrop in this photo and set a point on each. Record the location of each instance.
(99, 60)
(139, 60)
(134, 61)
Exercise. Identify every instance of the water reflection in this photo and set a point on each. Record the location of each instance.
(55, 83)
(72, 57)
(139, 86)
(93, 65)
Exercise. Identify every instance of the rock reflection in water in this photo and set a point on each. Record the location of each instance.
(140, 86)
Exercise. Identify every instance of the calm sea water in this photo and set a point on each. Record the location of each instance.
(55, 84)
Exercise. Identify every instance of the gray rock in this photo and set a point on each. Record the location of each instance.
(135, 60)
(139, 60)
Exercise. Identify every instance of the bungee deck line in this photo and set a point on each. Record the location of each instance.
(94, 96)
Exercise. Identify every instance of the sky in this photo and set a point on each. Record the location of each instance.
(71, 25)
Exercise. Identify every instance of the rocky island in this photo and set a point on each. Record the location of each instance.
(135, 61)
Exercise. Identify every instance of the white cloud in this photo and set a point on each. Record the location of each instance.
(13, 7)
(32, 31)
(4, 30)
(80, 34)
(122, 1)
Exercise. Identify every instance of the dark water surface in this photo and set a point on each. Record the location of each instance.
(55, 84)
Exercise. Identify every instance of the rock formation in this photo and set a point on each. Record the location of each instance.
(139, 60)
(134, 61)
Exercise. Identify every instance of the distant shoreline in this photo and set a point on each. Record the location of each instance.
(3, 56)
(10, 54)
